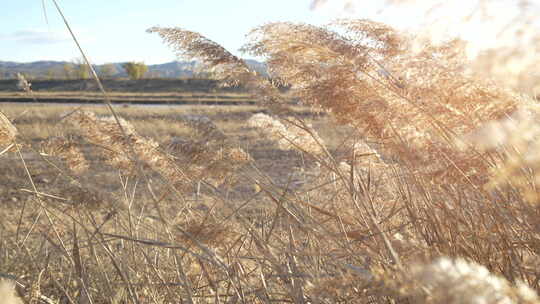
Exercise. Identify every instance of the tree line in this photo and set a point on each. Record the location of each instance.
(79, 70)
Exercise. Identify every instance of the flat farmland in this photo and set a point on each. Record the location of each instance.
(148, 91)
(38, 122)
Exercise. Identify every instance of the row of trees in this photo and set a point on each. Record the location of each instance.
(79, 70)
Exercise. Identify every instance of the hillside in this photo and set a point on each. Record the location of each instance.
(55, 69)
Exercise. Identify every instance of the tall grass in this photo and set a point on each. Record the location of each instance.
(414, 205)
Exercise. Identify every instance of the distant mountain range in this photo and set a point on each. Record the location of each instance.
(56, 69)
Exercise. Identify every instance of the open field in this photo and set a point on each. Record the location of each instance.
(39, 122)
(188, 98)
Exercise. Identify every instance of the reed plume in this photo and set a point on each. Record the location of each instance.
(68, 151)
(105, 133)
(501, 39)
(415, 104)
(188, 44)
(215, 156)
(288, 136)
(322, 67)
(458, 281)
(209, 159)
(225, 66)
(516, 139)
(23, 84)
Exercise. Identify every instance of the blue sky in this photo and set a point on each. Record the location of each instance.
(114, 30)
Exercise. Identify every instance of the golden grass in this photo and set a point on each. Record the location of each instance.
(385, 199)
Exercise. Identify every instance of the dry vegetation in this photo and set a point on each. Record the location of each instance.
(416, 184)
(184, 98)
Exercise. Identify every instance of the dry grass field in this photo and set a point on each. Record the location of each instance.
(184, 98)
(403, 177)
(110, 195)
(164, 123)
(124, 91)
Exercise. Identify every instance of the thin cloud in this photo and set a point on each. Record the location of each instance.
(36, 37)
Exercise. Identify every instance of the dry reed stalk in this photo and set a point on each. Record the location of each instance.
(206, 231)
(360, 153)
(8, 134)
(85, 197)
(23, 84)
